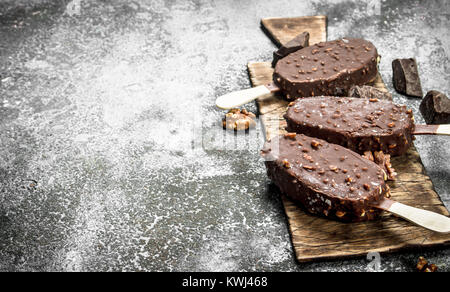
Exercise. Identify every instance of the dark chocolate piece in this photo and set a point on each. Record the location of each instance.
(299, 42)
(406, 77)
(435, 108)
(328, 68)
(356, 123)
(326, 179)
(369, 92)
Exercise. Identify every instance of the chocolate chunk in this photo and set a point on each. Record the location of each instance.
(369, 92)
(328, 186)
(356, 123)
(406, 77)
(239, 120)
(299, 42)
(435, 108)
(328, 68)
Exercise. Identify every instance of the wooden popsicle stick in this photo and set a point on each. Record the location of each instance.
(432, 130)
(427, 219)
(237, 98)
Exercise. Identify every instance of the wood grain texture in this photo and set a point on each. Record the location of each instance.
(282, 30)
(316, 238)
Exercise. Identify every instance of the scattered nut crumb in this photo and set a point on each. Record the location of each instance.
(424, 266)
(239, 120)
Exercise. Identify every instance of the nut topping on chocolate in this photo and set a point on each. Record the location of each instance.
(338, 71)
(290, 135)
(320, 173)
(368, 126)
(315, 144)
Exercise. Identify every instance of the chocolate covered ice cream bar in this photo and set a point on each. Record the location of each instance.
(326, 179)
(358, 124)
(327, 68)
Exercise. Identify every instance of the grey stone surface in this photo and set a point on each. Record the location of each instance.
(111, 153)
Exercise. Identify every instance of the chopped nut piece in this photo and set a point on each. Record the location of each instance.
(239, 120)
(368, 155)
(315, 144)
(384, 161)
(340, 214)
(424, 266)
(431, 268)
(286, 164)
(308, 167)
(290, 135)
(421, 264)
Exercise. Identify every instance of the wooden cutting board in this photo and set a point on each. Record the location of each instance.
(315, 238)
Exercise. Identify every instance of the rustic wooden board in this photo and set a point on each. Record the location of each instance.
(282, 30)
(316, 238)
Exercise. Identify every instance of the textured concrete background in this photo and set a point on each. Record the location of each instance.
(111, 156)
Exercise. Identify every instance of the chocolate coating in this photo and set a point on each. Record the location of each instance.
(328, 68)
(358, 124)
(326, 179)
